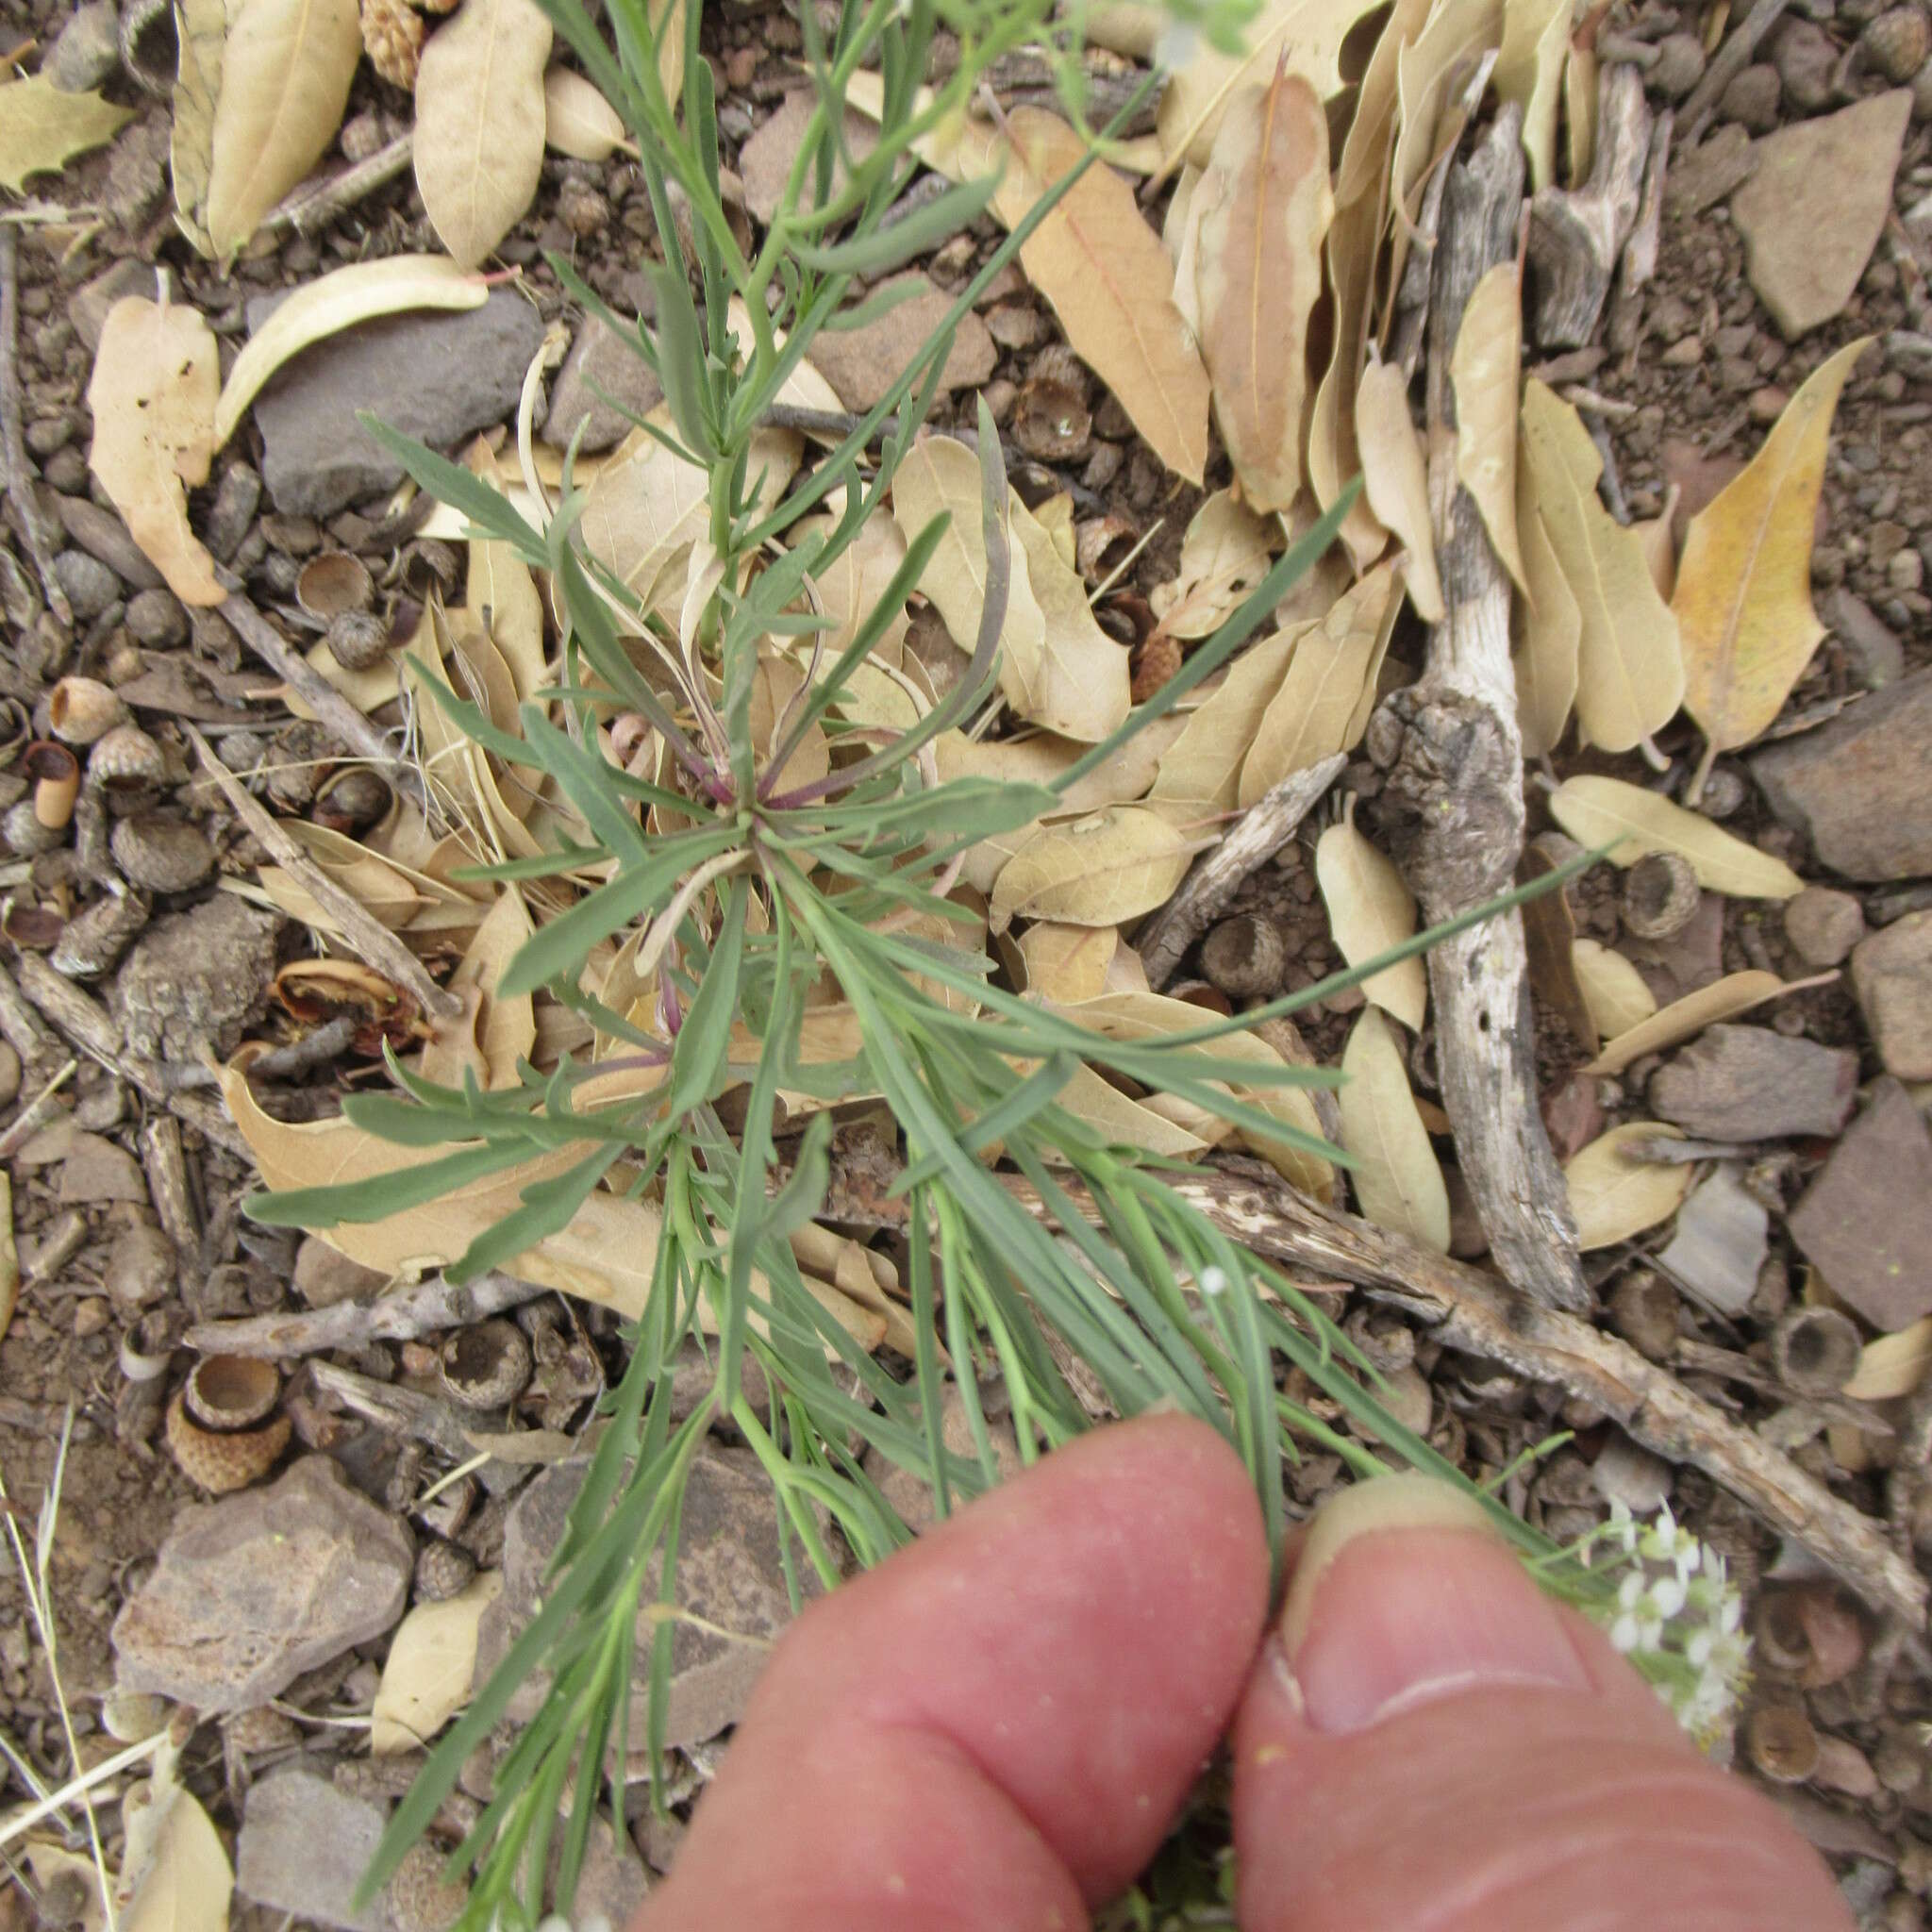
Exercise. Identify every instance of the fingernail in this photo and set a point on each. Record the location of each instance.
(1402, 1594)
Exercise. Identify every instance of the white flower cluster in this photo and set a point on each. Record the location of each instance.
(1677, 1616)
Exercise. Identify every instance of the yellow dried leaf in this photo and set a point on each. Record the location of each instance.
(1483, 369)
(1456, 33)
(1548, 626)
(338, 301)
(643, 512)
(1529, 72)
(153, 397)
(425, 1677)
(1743, 596)
(1398, 1181)
(1265, 207)
(1083, 687)
(1579, 109)
(852, 583)
(1660, 554)
(42, 127)
(1225, 554)
(1723, 999)
(1394, 479)
(579, 121)
(1632, 823)
(1067, 963)
(501, 599)
(201, 35)
(1097, 871)
(1333, 459)
(1201, 774)
(507, 1031)
(1370, 911)
(1613, 989)
(1629, 668)
(1893, 1366)
(187, 1883)
(480, 115)
(1613, 1196)
(286, 72)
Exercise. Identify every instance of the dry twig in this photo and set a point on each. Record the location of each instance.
(19, 487)
(403, 1316)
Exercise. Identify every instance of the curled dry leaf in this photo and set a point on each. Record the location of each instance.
(431, 1659)
(42, 127)
(642, 514)
(1263, 206)
(850, 587)
(1039, 759)
(1200, 776)
(1743, 594)
(1613, 989)
(579, 121)
(1547, 626)
(1633, 822)
(1723, 999)
(1082, 689)
(285, 71)
(1483, 369)
(1614, 1196)
(480, 122)
(1630, 667)
(338, 301)
(1394, 479)
(153, 397)
(1110, 866)
(201, 35)
(1529, 72)
(1428, 72)
(1371, 910)
(1324, 703)
(1398, 1181)
(1225, 554)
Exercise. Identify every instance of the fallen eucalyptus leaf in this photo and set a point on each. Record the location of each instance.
(1613, 1196)
(1370, 911)
(1082, 690)
(1547, 624)
(187, 1883)
(201, 37)
(1613, 989)
(42, 127)
(1722, 999)
(153, 398)
(1394, 480)
(1068, 964)
(1110, 866)
(426, 1678)
(579, 121)
(1225, 554)
(1398, 1181)
(1483, 369)
(1200, 776)
(1633, 822)
(1893, 1365)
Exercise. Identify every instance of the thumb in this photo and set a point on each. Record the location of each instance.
(1429, 1741)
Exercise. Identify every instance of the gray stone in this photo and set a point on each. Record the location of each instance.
(764, 164)
(303, 1846)
(1891, 976)
(195, 980)
(1866, 1222)
(88, 50)
(156, 618)
(1878, 657)
(1748, 1083)
(102, 534)
(599, 365)
(88, 308)
(238, 495)
(1719, 1244)
(1823, 926)
(434, 377)
(325, 1277)
(728, 1573)
(861, 364)
(1856, 787)
(1703, 176)
(250, 1591)
(90, 586)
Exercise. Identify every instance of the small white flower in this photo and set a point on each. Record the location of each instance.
(1213, 1281)
(1667, 1596)
(1625, 1633)
(1630, 1591)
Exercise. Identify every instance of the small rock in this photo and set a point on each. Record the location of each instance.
(1866, 1222)
(1679, 66)
(90, 586)
(154, 618)
(1878, 657)
(863, 364)
(102, 534)
(1891, 976)
(88, 50)
(1810, 216)
(238, 497)
(765, 162)
(99, 1170)
(1751, 99)
(250, 1591)
(433, 377)
(728, 1573)
(599, 365)
(1824, 926)
(325, 1277)
(194, 980)
(88, 309)
(1705, 173)
(1856, 787)
(1719, 1244)
(303, 1846)
(1628, 1474)
(1685, 961)
(1013, 325)
(1806, 59)
(140, 1269)
(1748, 1083)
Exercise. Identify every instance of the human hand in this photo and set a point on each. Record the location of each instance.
(994, 1729)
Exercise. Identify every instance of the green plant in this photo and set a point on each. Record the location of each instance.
(740, 891)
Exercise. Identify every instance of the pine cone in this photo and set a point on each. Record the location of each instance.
(392, 34)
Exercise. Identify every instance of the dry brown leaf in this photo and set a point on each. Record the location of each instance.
(508, 1030)
(851, 586)
(285, 71)
(1333, 459)
(1484, 370)
(1200, 776)
(42, 127)
(1067, 964)
(1370, 911)
(1225, 554)
(643, 512)
(501, 598)
(1394, 479)
(1661, 552)
(1613, 989)
(1529, 72)
(1579, 107)
(1083, 687)
(338, 301)
(1743, 594)
(480, 114)
(1613, 1196)
(425, 1677)
(201, 34)
(1548, 626)
(1265, 207)
(579, 121)
(1319, 707)
(1398, 1181)
(1630, 667)
(1723, 999)
(1633, 822)
(1456, 33)
(1110, 866)
(1039, 759)
(153, 397)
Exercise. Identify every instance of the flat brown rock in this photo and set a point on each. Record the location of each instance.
(1891, 976)
(1748, 1083)
(863, 363)
(1866, 1223)
(1811, 213)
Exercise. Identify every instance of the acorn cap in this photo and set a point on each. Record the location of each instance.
(332, 583)
(1815, 1351)
(219, 1463)
(231, 1392)
(93, 940)
(1661, 895)
(125, 755)
(487, 1364)
(443, 1569)
(1780, 1744)
(161, 853)
(82, 710)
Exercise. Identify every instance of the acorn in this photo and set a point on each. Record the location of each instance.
(1660, 896)
(443, 1569)
(93, 940)
(332, 583)
(161, 853)
(219, 1463)
(487, 1365)
(352, 800)
(1815, 1351)
(1896, 43)
(1051, 422)
(357, 639)
(1246, 957)
(125, 758)
(82, 710)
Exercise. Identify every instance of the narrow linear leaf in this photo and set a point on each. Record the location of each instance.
(1667, 1027)
(1398, 1181)
(1632, 823)
(1547, 624)
(1371, 911)
(1484, 368)
(1394, 479)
